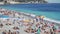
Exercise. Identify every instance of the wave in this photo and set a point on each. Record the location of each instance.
(51, 20)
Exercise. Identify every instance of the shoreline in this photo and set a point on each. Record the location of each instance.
(25, 23)
(31, 15)
(51, 20)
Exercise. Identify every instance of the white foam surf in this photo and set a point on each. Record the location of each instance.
(51, 20)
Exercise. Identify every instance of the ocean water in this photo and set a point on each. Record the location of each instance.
(51, 10)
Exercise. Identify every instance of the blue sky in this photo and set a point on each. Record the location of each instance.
(53, 1)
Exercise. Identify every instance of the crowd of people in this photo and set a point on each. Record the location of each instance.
(26, 24)
(14, 26)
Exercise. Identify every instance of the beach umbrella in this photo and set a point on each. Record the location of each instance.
(26, 21)
(42, 17)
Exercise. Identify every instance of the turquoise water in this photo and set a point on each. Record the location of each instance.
(49, 10)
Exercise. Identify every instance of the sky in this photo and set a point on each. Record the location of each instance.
(53, 1)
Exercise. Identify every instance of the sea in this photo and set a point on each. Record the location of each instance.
(49, 10)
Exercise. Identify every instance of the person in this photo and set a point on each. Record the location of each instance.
(1, 25)
(54, 28)
(38, 31)
(51, 31)
(3, 32)
(17, 32)
(33, 27)
(9, 32)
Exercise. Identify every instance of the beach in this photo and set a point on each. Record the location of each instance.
(29, 17)
(24, 23)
